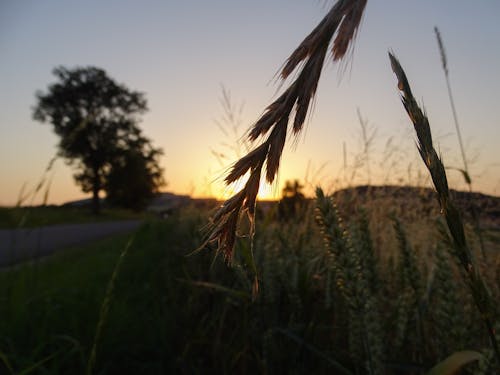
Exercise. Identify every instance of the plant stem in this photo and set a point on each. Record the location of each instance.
(484, 302)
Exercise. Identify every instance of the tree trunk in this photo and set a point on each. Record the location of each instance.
(96, 207)
(96, 204)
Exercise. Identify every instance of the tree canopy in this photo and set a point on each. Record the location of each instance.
(142, 166)
(96, 120)
(292, 200)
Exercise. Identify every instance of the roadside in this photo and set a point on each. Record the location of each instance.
(17, 245)
(41, 216)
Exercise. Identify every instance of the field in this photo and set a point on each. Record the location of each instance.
(31, 217)
(368, 280)
(149, 306)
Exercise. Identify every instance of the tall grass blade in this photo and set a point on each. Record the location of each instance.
(5, 360)
(455, 362)
(452, 103)
(103, 314)
(239, 294)
(483, 299)
(338, 367)
(36, 365)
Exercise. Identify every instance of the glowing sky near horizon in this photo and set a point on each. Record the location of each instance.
(179, 53)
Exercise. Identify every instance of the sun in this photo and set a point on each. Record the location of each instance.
(266, 191)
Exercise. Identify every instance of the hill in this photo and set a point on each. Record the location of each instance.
(417, 202)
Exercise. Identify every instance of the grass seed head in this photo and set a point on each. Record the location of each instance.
(344, 18)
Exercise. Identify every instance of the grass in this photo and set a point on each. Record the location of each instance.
(50, 308)
(31, 217)
(54, 307)
(461, 249)
(350, 261)
(167, 312)
(340, 24)
(347, 285)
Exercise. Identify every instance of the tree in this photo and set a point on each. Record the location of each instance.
(96, 120)
(292, 200)
(141, 162)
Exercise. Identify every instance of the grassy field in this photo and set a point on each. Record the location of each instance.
(50, 311)
(29, 217)
(353, 283)
(367, 281)
(161, 311)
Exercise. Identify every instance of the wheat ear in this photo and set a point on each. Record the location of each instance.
(482, 297)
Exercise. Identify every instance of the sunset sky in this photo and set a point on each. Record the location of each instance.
(181, 53)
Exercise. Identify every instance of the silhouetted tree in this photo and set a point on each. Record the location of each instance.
(134, 177)
(292, 200)
(96, 120)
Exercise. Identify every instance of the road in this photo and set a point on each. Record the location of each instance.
(17, 245)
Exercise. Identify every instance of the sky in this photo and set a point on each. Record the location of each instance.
(183, 54)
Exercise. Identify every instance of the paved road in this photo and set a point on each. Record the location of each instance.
(17, 245)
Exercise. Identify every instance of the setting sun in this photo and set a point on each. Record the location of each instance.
(266, 191)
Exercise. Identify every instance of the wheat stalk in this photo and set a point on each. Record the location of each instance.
(353, 275)
(292, 106)
(482, 296)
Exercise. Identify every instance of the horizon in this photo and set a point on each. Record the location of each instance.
(259, 199)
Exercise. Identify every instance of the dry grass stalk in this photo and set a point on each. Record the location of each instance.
(341, 22)
(444, 63)
(465, 171)
(482, 296)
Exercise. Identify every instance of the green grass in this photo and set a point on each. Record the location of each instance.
(172, 313)
(29, 217)
(168, 312)
(52, 307)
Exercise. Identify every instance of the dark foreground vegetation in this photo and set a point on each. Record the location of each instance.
(145, 307)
